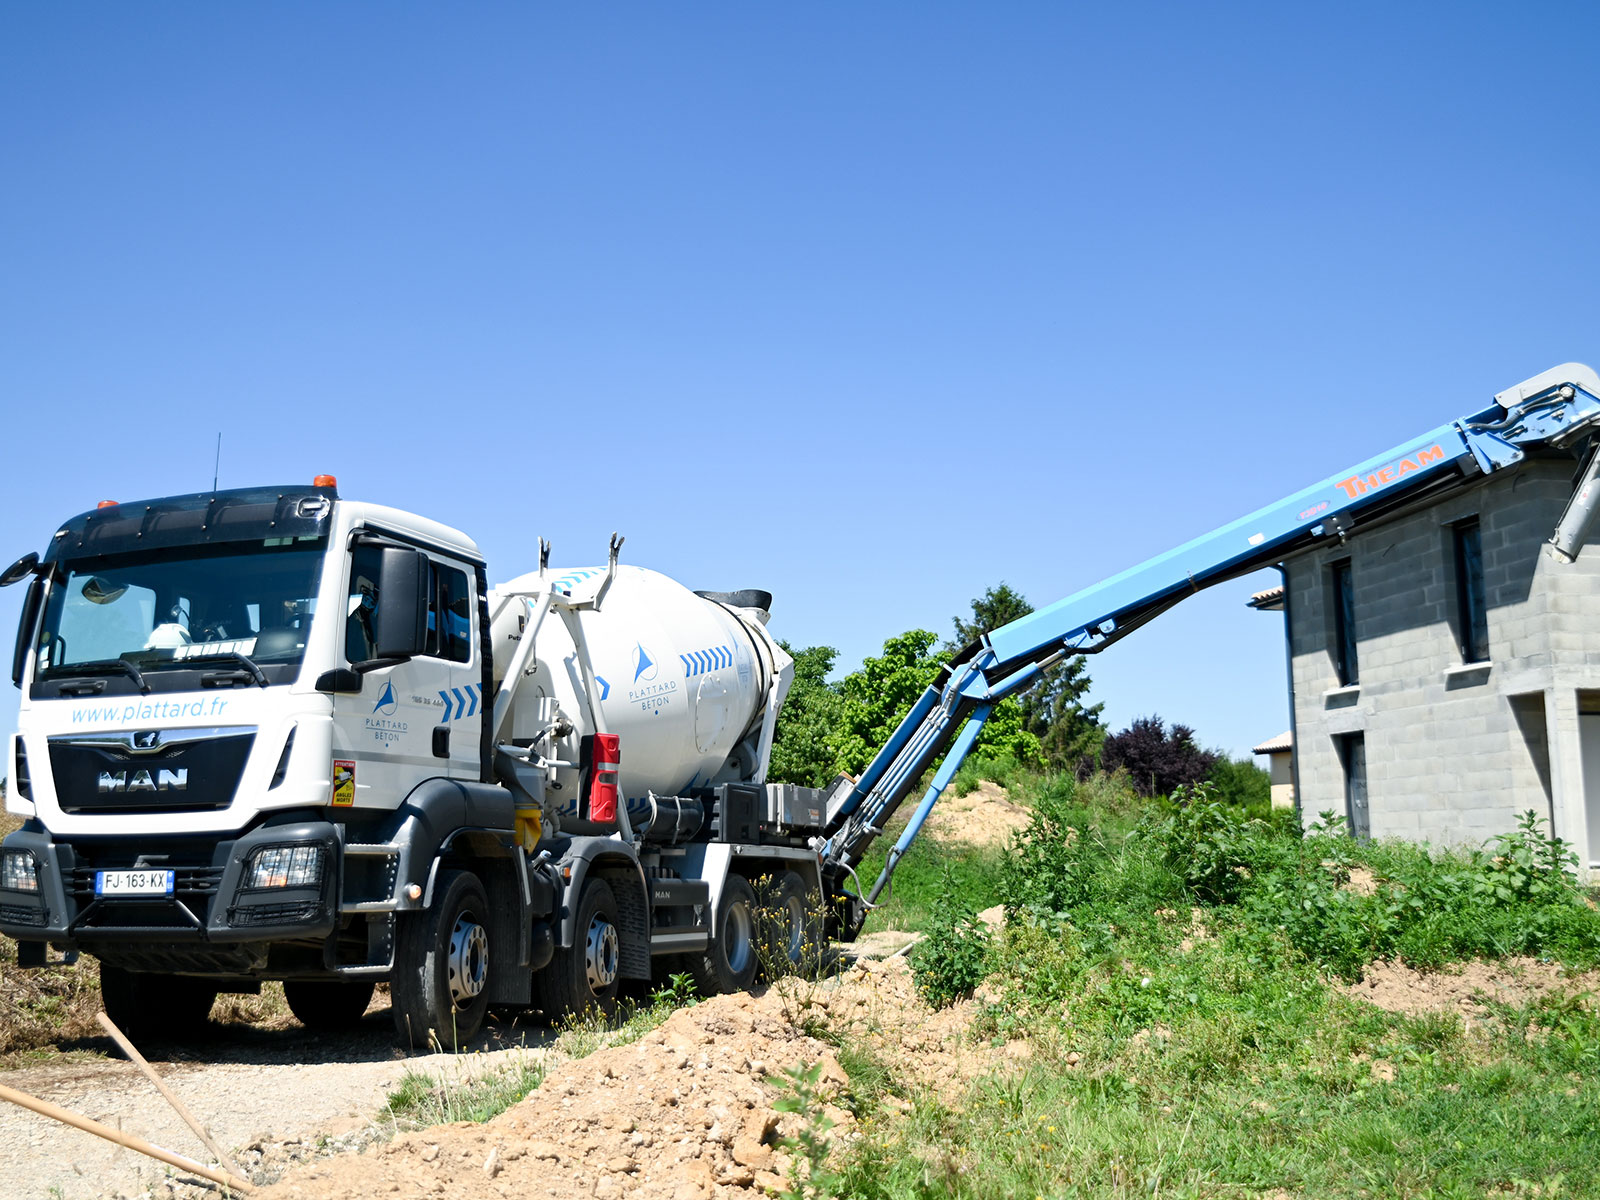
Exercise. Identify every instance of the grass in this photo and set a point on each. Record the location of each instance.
(469, 1090)
(1188, 1035)
(467, 1093)
(917, 883)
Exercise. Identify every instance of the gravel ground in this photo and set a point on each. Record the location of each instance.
(271, 1096)
(285, 1088)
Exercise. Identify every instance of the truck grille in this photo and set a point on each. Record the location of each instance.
(16, 914)
(150, 771)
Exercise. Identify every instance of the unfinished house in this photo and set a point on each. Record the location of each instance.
(1445, 668)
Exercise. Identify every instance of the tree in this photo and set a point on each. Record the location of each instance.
(1157, 761)
(996, 607)
(803, 749)
(877, 698)
(1052, 710)
(1241, 782)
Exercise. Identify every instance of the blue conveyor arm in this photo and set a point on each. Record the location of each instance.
(1555, 411)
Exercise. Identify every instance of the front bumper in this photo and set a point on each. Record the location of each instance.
(210, 911)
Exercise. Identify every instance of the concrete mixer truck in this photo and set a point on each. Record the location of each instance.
(275, 734)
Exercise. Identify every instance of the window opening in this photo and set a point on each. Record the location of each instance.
(1472, 612)
(1353, 757)
(1344, 624)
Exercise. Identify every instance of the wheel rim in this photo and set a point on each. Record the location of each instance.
(601, 954)
(794, 933)
(738, 936)
(469, 960)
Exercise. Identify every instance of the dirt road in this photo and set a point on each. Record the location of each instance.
(283, 1087)
(280, 1088)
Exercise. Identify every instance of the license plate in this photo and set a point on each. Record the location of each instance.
(133, 883)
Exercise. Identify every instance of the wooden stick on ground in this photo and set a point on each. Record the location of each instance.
(67, 1117)
(189, 1118)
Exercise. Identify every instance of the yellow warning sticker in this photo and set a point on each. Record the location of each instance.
(344, 783)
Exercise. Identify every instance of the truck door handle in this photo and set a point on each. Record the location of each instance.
(441, 741)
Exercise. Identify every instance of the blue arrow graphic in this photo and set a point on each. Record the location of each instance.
(461, 703)
(472, 695)
(445, 696)
(605, 688)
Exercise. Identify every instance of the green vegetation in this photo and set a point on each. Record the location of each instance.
(1174, 968)
(802, 747)
(921, 879)
(585, 1032)
(422, 1099)
(810, 1174)
(952, 960)
(825, 728)
(1239, 782)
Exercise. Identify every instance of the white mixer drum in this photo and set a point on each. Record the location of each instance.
(680, 678)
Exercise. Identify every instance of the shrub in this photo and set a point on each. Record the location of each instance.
(1241, 783)
(1046, 874)
(952, 959)
(1215, 850)
(1158, 762)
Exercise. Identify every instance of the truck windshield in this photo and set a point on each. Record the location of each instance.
(235, 606)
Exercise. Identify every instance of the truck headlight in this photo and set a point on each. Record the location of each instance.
(285, 867)
(19, 871)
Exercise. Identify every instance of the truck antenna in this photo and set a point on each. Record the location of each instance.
(216, 463)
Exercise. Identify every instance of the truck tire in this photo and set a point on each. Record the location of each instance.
(327, 1004)
(792, 927)
(586, 975)
(438, 988)
(730, 962)
(159, 1006)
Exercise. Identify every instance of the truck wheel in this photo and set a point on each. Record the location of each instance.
(792, 926)
(438, 988)
(326, 1004)
(160, 1006)
(587, 974)
(730, 962)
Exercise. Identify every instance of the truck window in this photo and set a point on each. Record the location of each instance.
(449, 609)
(360, 639)
(450, 615)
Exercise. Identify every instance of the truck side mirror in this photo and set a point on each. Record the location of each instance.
(20, 570)
(400, 623)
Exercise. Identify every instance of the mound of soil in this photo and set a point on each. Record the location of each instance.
(985, 816)
(1468, 987)
(685, 1113)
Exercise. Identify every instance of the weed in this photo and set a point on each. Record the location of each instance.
(809, 1172)
(583, 1033)
(464, 1094)
(791, 951)
(952, 959)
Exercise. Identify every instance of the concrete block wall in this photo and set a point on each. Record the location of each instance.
(1453, 751)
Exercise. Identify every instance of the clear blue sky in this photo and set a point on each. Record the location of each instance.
(869, 305)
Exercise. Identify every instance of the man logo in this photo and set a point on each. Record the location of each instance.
(644, 667)
(147, 739)
(386, 701)
(144, 781)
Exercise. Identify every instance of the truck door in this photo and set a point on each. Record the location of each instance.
(385, 739)
(453, 619)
